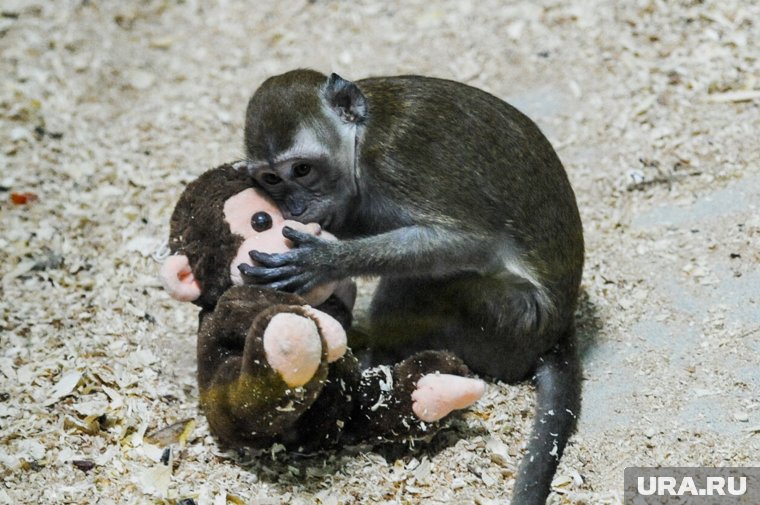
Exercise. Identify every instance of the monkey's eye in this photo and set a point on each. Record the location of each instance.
(261, 221)
(271, 178)
(301, 169)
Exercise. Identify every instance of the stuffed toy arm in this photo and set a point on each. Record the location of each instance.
(262, 362)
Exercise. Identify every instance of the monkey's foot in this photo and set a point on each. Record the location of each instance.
(437, 395)
(293, 348)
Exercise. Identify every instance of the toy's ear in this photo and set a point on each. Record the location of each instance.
(178, 279)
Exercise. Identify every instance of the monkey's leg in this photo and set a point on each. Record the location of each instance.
(495, 327)
(498, 329)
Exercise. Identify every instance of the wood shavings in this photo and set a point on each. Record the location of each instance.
(499, 451)
(22, 268)
(107, 141)
(64, 387)
(175, 433)
(155, 480)
(735, 96)
(741, 416)
(143, 245)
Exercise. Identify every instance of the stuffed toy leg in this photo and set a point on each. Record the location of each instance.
(257, 378)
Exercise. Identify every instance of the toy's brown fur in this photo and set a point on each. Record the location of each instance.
(198, 230)
(246, 402)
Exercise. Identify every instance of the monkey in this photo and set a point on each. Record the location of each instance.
(461, 206)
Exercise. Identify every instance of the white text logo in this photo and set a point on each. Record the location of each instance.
(714, 486)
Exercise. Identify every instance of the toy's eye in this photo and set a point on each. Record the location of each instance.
(261, 221)
(270, 178)
(301, 169)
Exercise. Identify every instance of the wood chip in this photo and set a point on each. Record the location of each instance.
(174, 433)
(64, 387)
(735, 96)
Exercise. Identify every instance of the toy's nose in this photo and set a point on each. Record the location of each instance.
(311, 228)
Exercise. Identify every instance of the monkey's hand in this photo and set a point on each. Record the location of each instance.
(311, 262)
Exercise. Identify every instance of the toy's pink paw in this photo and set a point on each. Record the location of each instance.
(293, 348)
(437, 395)
(332, 332)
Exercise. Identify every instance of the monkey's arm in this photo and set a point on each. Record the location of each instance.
(409, 251)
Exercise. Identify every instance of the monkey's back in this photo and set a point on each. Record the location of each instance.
(439, 139)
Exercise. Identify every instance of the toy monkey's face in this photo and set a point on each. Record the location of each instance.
(254, 217)
(251, 215)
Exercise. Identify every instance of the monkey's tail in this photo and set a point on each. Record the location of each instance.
(558, 403)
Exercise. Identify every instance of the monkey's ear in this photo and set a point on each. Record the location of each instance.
(178, 279)
(346, 99)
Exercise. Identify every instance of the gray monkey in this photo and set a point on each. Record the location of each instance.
(459, 203)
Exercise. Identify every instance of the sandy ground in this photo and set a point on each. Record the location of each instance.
(108, 108)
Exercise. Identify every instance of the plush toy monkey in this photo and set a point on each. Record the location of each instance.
(273, 366)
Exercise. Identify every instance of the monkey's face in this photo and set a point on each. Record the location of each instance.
(311, 180)
(301, 148)
(309, 190)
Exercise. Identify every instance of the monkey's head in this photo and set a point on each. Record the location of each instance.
(300, 139)
(219, 218)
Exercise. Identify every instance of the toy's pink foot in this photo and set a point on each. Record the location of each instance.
(293, 348)
(437, 395)
(332, 332)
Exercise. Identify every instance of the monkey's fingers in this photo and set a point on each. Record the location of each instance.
(263, 274)
(292, 284)
(299, 237)
(271, 260)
